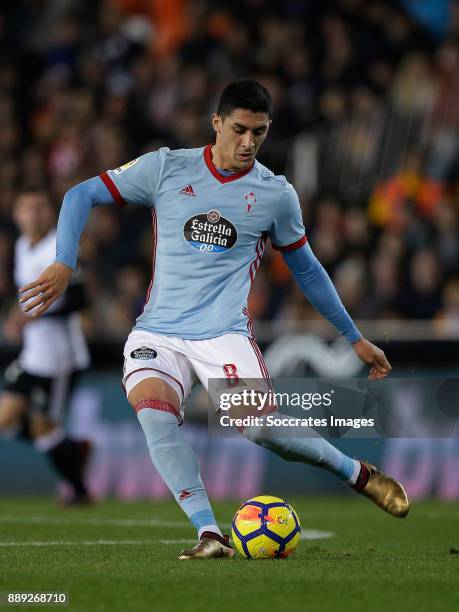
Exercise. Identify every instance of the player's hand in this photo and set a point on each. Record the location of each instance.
(374, 357)
(39, 295)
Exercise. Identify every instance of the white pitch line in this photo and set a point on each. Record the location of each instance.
(180, 541)
(96, 542)
(45, 520)
(309, 534)
(306, 534)
(315, 534)
(76, 543)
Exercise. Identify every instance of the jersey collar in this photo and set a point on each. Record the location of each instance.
(213, 170)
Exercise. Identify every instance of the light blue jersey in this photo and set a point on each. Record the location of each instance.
(209, 233)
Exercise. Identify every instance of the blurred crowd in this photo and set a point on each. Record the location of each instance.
(366, 127)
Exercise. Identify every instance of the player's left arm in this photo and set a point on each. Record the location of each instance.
(288, 236)
(321, 293)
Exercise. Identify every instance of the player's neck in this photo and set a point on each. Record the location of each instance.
(220, 161)
(35, 238)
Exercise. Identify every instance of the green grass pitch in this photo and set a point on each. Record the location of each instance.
(117, 556)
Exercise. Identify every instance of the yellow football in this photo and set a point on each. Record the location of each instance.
(266, 527)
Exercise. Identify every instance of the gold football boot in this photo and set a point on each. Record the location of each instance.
(210, 546)
(383, 490)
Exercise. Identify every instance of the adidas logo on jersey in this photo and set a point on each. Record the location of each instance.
(188, 191)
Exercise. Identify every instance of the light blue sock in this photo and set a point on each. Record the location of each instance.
(314, 450)
(177, 465)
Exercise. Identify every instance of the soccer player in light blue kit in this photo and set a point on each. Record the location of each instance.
(213, 209)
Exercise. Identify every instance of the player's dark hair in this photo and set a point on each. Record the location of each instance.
(247, 94)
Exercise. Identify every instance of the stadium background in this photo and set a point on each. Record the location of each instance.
(366, 127)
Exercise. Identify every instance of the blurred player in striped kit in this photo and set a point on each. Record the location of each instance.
(38, 384)
(213, 209)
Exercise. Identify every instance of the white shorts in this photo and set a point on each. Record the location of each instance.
(174, 360)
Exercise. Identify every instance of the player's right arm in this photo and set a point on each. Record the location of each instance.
(134, 183)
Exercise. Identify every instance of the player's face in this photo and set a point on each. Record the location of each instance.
(33, 214)
(239, 136)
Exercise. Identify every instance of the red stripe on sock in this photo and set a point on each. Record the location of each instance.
(362, 479)
(216, 536)
(158, 405)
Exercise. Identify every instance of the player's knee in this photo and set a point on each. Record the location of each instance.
(6, 423)
(257, 434)
(155, 388)
(40, 425)
(266, 438)
(11, 411)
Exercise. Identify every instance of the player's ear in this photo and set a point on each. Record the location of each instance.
(217, 123)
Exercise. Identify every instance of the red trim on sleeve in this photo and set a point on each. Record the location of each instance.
(291, 247)
(113, 189)
(223, 179)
